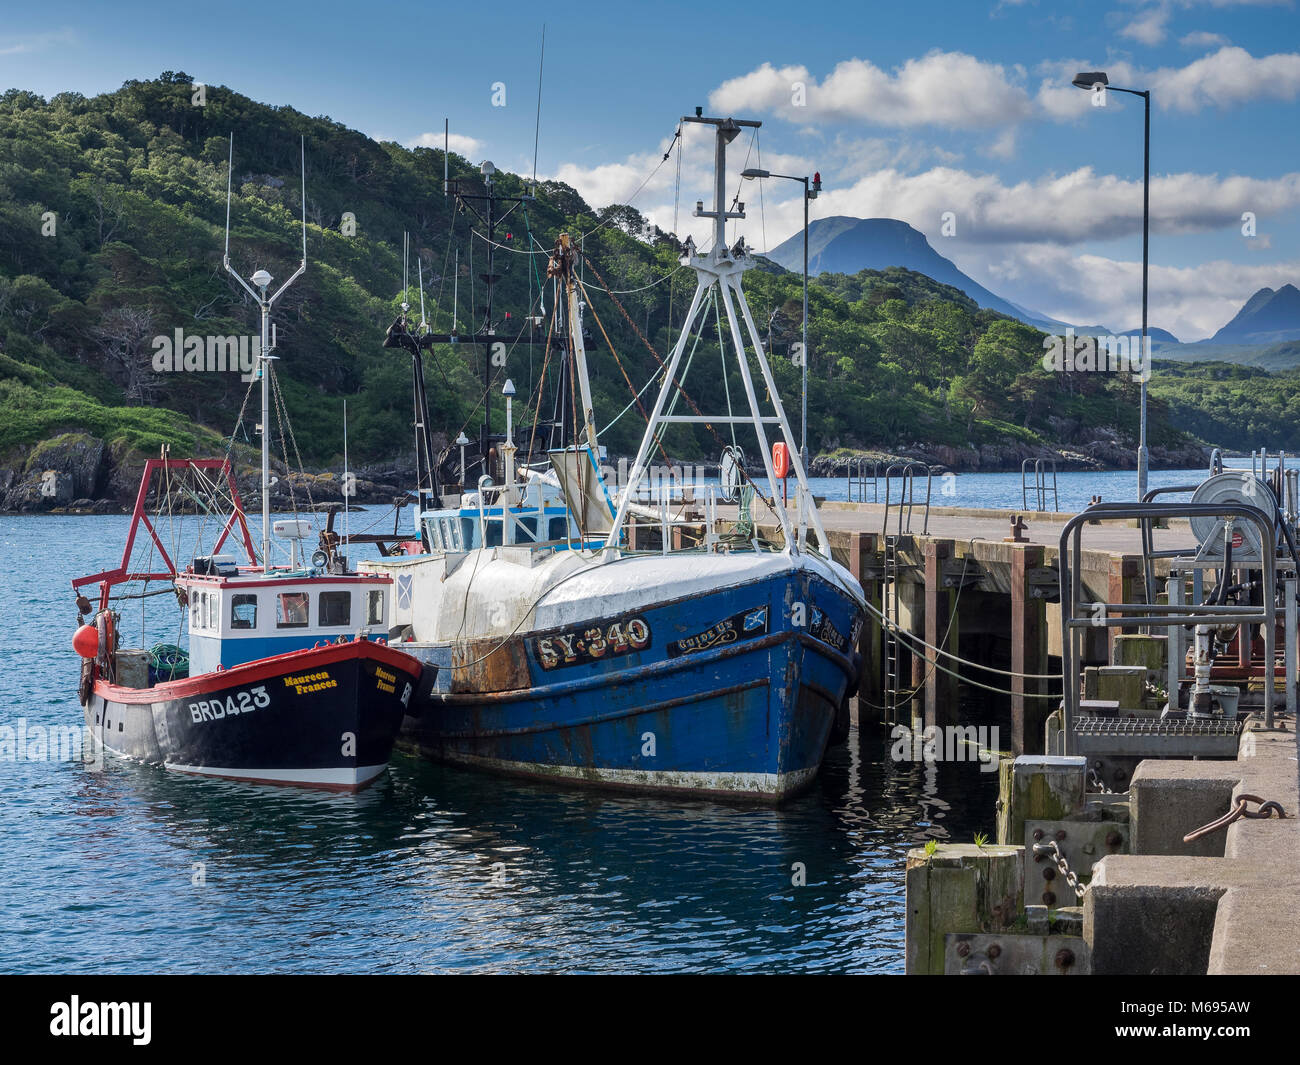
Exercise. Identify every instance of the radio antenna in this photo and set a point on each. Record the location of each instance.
(419, 265)
(537, 128)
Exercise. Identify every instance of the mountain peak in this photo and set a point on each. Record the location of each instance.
(1268, 317)
(843, 244)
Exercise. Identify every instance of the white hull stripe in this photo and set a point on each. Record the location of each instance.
(343, 776)
(774, 784)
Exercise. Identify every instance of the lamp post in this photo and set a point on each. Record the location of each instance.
(1091, 80)
(809, 193)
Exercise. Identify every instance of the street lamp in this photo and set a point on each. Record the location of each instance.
(1090, 80)
(809, 193)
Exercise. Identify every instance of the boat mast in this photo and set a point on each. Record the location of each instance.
(724, 267)
(262, 280)
(561, 268)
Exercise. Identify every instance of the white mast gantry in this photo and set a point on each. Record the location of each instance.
(262, 280)
(724, 267)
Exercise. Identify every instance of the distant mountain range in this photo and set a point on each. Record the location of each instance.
(845, 245)
(1268, 317)
(841, 244)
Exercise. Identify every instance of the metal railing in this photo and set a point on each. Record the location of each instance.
(1172, 615)
(907, 494)
(857, 480)
(1040, 486)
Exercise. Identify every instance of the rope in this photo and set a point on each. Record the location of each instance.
(660, 281)
(677, 384)
(636, 396)
(677, 136)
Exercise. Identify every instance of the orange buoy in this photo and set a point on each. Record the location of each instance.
(85, 641)
(781, 459)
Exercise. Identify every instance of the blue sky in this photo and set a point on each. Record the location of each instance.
(908, 110)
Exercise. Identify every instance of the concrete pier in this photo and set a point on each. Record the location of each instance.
(966, 583)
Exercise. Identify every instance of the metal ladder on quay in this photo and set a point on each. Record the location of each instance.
(892, 645)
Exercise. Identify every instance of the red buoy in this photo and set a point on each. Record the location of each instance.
(85, 641)
(781, 459)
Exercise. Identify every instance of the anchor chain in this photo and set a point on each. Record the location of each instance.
(1053, 850)
(1239, 810)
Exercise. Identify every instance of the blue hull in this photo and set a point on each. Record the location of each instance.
(734, 692)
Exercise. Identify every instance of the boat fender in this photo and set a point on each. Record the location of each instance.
(87, 681)
(107, 646)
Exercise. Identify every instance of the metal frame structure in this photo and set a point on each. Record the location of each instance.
(724, 267)
(1175, 614)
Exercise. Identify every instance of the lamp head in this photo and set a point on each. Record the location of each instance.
(509, 389)
(462, 440)
(261, 279)
(751, 174)
(1087, 79)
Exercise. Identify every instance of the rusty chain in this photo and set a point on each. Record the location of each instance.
(1053, 850)
(1239, 810)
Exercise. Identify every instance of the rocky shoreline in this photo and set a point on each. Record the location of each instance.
(76, 473)
(1103, 453)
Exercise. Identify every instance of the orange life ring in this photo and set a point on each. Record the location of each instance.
(781, 460)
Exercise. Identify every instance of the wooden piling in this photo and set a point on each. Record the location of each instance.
(940, 632)
(1028, 654)
(870, 694)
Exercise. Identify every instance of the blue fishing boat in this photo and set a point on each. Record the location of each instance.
(561, 651)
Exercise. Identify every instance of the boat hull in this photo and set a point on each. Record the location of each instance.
(734, 692)
(322, 718)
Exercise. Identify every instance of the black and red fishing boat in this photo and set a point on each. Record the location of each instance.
(288, 678)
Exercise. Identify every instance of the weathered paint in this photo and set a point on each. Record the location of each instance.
(749, 716)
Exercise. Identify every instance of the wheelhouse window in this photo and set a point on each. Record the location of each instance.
(243, 612)
(559, 529)
(375, 607)
(196, 602)
(335, 608)
(292, 610)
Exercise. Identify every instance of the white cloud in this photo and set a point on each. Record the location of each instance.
(1149, 27)
(469, 147)
(1004, 146)
(1202, 39)
(949, 89)
(1229, 76)
(1192, 302)
(1065, 209)
(36, 42)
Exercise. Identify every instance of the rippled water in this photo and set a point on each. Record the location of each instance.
(433, 869)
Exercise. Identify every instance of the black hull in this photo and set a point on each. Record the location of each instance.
(323, 718)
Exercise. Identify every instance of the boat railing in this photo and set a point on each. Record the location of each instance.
(1040, 487)
(907, 495)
